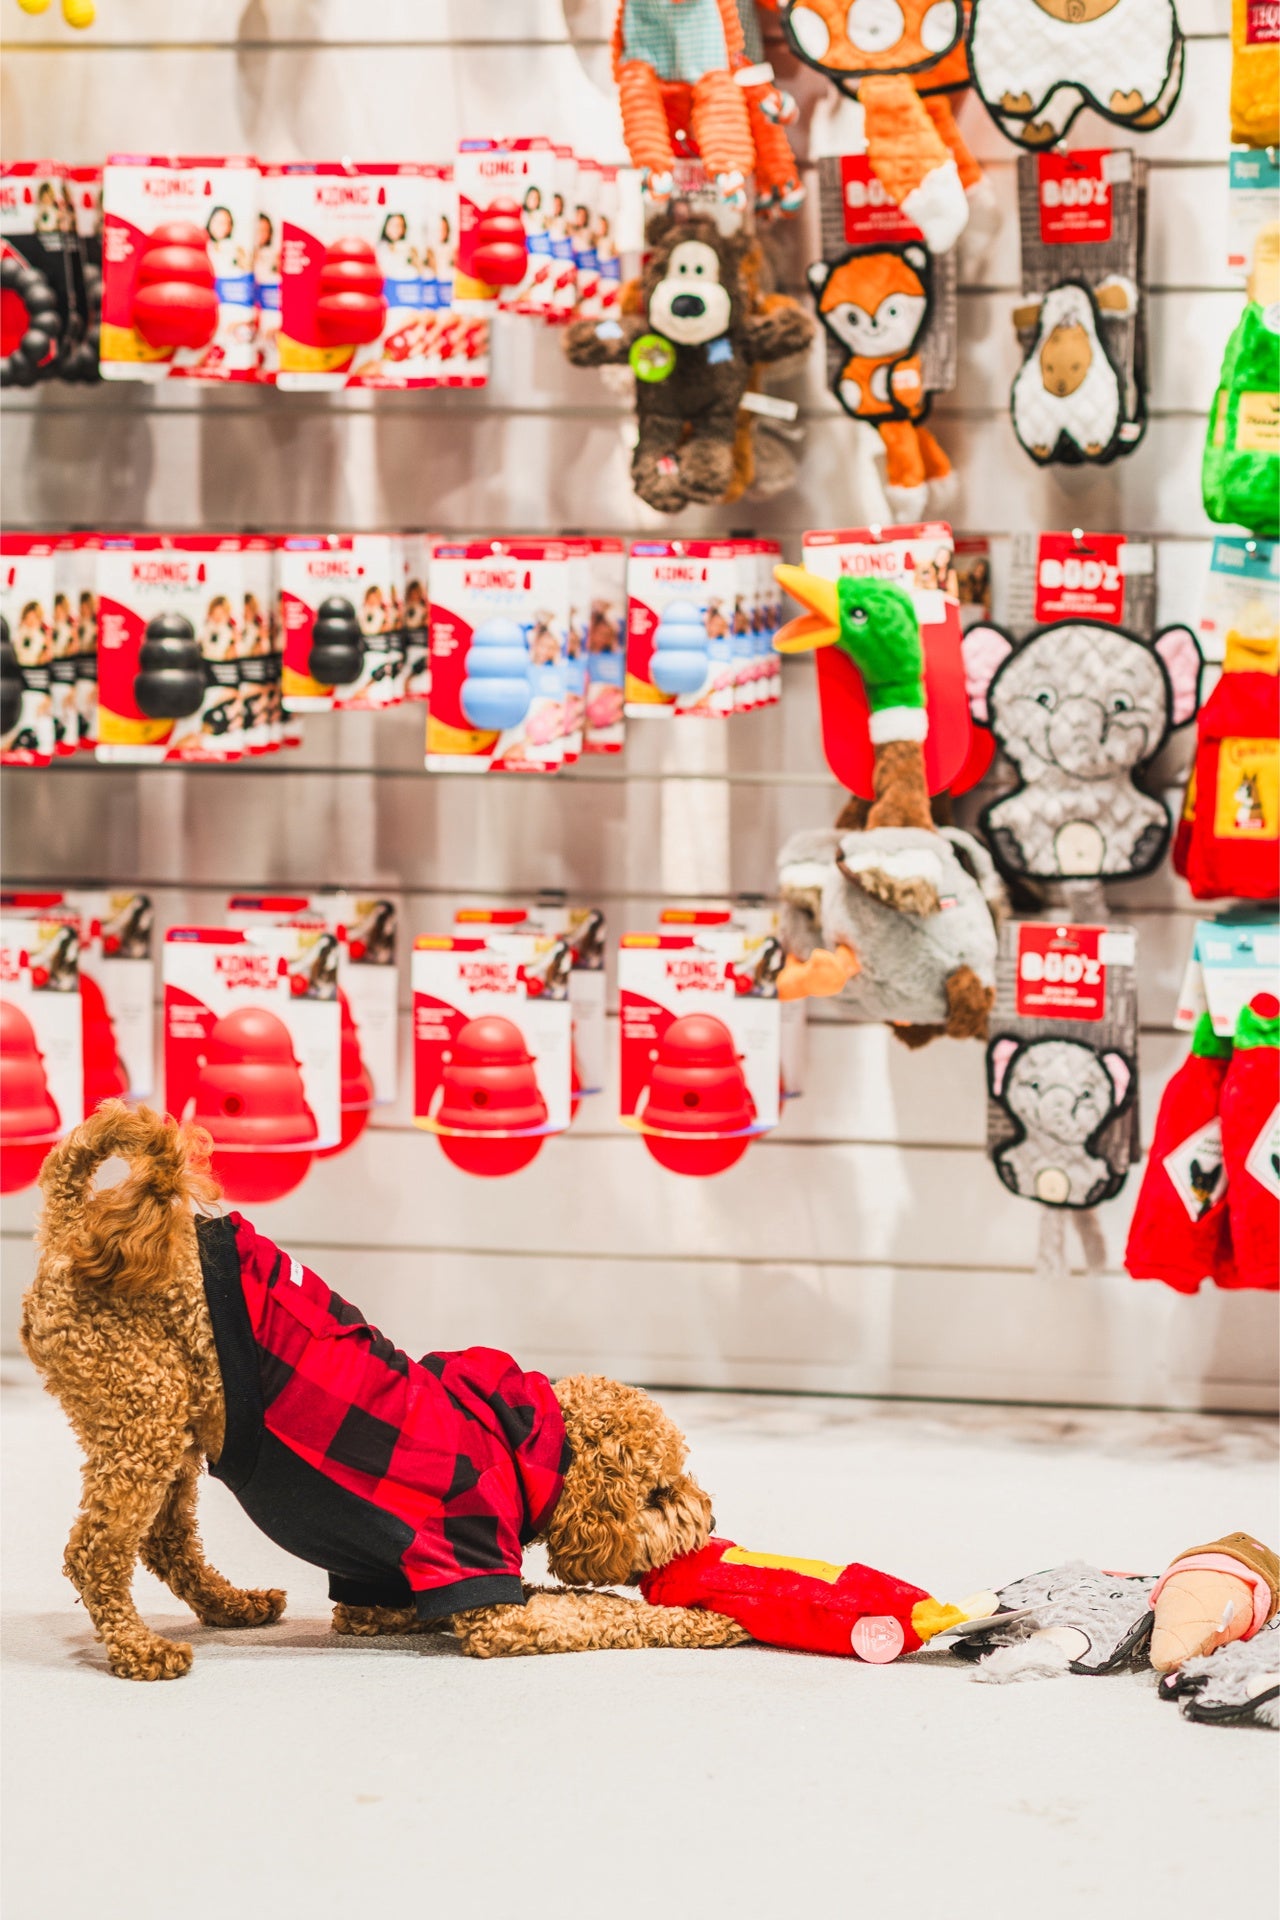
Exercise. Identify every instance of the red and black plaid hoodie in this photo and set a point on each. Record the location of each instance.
(411, 1482)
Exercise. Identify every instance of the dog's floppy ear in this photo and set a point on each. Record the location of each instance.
(591, 1535)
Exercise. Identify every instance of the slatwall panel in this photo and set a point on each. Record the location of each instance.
(866, 1246)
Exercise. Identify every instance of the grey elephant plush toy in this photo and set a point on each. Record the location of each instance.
(1061, 1096)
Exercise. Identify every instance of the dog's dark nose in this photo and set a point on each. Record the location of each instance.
(688, 306)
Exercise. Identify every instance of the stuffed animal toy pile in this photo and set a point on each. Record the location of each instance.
(894, 914)
(697, 332)
(1207, 1625)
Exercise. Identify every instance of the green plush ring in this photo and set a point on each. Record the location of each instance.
(652, 357)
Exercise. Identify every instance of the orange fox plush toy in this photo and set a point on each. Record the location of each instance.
(874, 303)
(901, 63)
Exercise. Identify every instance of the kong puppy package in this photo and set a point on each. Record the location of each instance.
(46, 308)
(1080, 395)
(1081, 706)
(680, 600)
(576, 953)
(117, 970)
(170, 608)
(252, 1049)
(700, 1043)
(178, 294)
(492, 1046)
(1062, 1122)
(499, 626)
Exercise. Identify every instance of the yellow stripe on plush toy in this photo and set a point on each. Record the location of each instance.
(931, 1616)
(813, 1569)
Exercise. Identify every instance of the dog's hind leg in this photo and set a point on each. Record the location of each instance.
(122, 1498)
(172, 1550)
(365, 1622)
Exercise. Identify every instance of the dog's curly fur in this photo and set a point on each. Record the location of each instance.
(117, 1324)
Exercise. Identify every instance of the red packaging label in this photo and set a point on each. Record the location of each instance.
(869, 213)
(1079, 577)
(1075, 196)
(1262, 23)
(1060, 974)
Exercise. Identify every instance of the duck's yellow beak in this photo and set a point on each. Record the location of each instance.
(820, 626)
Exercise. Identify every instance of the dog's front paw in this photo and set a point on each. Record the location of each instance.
(149, 1658)
(243, 1607)
(699, 1628)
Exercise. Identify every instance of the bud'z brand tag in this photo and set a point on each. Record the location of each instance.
(1080, 577)
(1075, 196)
(867, 210)
(1061, 974)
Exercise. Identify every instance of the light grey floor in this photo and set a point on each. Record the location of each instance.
(293, 1773)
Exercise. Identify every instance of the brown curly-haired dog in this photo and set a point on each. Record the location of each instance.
(118, 1324)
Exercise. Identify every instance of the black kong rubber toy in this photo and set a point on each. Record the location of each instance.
(337, 644)
(171, 679)
(11, 682)
(36, 352)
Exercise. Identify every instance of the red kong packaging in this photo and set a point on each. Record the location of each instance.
(700, 1044)
(41, 1040)
(492, 1046)
(338, 593)
(178, 292)
(252, 1049)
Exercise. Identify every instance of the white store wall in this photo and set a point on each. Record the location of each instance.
(867, 1246)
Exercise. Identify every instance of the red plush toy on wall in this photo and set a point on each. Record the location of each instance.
(809, 1605)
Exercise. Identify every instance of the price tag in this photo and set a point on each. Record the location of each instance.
(1075, 196)
(869, 213)
(1061, 975)
(1080, 577)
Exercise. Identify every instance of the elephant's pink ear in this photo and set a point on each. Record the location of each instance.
(1180, 651)
(1121, 1073)
(985, 651)
(998, 1057)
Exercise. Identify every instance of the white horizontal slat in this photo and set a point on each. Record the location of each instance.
(832, 1328)
(415, 464)
(301, 104)
(784, 1200)
(313, 23)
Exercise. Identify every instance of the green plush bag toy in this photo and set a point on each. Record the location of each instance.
(1240, 476)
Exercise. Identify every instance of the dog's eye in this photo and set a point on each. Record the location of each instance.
(659, 1497)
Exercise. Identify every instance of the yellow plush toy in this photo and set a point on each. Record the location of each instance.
(1255, 79)
(76, 13)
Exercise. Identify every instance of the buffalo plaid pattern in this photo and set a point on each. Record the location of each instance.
(408, 1480)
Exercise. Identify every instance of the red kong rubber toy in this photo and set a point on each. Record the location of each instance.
(808, 1605)
(351, 310)
(499, 252)
(175, 296)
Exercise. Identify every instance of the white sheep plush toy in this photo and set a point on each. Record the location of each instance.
(1037, 63)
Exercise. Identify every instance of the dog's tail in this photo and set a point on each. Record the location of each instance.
(124, 1237)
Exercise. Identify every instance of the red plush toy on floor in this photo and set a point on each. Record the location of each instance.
(809, 1605)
